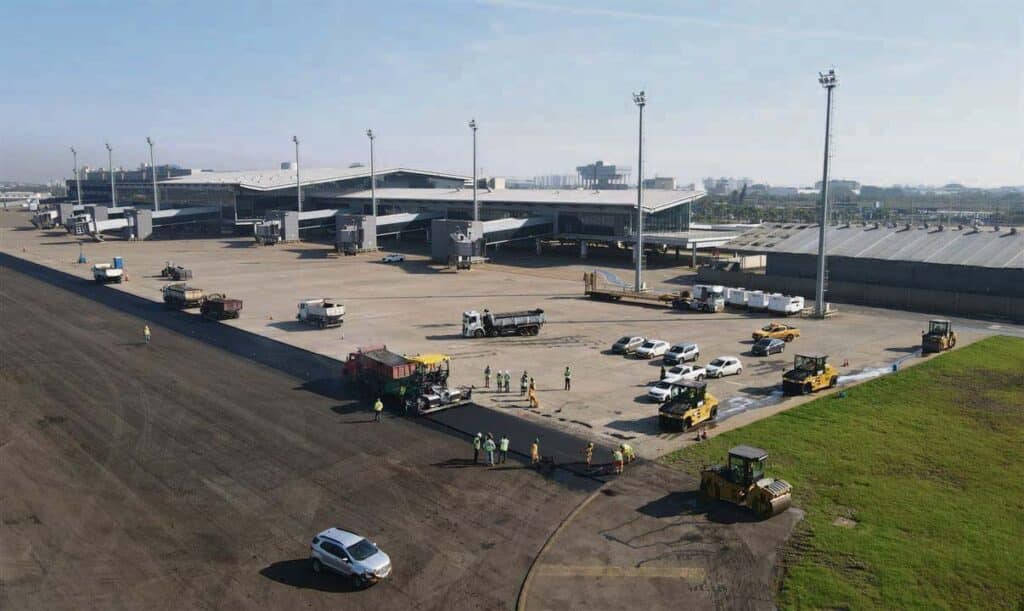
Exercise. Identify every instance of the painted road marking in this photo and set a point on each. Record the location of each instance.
(670, 572)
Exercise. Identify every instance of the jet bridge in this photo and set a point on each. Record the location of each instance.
(358, 233)
(457, 239)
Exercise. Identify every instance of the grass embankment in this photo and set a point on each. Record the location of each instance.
(929, 462)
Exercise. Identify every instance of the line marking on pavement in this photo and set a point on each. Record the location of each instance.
(671, 572)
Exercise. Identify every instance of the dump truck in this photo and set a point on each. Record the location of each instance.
(939, 337)
(217, 306)
(742, 482)
(175, 272)
(491, 324)
(181, 296)
(689, 404)
(323, 312)
(105, 273)
(810, 373)
(419, 381)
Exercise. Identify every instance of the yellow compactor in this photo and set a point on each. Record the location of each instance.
(742, 482)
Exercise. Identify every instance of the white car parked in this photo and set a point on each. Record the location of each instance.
(350, 555)
(724, 366)
(393, 258)
(680, 373)
(652, 348)
(682, 352)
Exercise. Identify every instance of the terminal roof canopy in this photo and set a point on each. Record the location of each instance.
(981, 247)
(268, 180)
(654, 200)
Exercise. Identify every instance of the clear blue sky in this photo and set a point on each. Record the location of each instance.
(930, 92)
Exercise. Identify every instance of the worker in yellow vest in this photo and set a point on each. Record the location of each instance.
(378, 410)
(628, 453)
(617, 460)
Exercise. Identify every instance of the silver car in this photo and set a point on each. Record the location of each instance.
(350, 555)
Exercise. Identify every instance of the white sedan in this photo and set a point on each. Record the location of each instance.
(724, 366)
(681, 373)
(393, 258)
(652, 348)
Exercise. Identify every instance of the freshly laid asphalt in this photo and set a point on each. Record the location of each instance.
(178, 474)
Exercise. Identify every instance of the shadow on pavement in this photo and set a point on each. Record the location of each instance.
(298, 574)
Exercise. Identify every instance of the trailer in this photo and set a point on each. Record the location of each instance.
(181, 296)
(475, 324)
(107, 273)
(736, 297)
(758, 300)
(324, 312)
(786, 305)
(216, 306)
(604, 286)
(418, 382)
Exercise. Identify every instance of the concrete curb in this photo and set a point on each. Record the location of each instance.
(524, 590)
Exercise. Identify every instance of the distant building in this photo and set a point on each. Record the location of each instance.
(556, 181)
(600, 176)
(841, 187)
(724, 185)
(660, 182)
(130, 183)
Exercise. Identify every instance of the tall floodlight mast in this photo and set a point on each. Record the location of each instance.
(640, 99)
(829, 81)
(476, 206)
(373, 177)
(298, 183)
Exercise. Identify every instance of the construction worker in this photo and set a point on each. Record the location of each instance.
(523, 381)
(628, 453)
(588, 454)
(533, 385)
(503, 449)
(489, 447)
(617, 460)
(507, 378)
(145, 333)
(378, 410)
(568, 378)
(535, 452)
(401, 398)
(487, 376)
(534, 403)
(478, 442)
(662, 375)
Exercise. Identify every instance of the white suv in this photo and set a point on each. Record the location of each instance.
(350, 555)
(650, 349)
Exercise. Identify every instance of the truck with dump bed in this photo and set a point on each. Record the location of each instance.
(475, 324)
(419, 381)
(181, 296)
(217, 306)
(323, 312)
(104, 273)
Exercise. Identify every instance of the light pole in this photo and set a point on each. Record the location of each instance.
(373, 177)
(298, 183)
(78, 179)
(829, 82)
(476, 208)
(152, 168)
(110, 161)
(640, 99)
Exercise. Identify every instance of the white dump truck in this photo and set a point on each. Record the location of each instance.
(493, 324)
(323, 312)
(105, 273)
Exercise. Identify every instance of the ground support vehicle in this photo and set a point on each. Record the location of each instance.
(105, 273)
(175, 272)
(267, 233)
(939, 337)
(688, 405)
(216, 306)
(475, 324)
(48, 219)
(810, 373)
(182, 296)
(323, 312)
(349, 555)
(742, 482)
